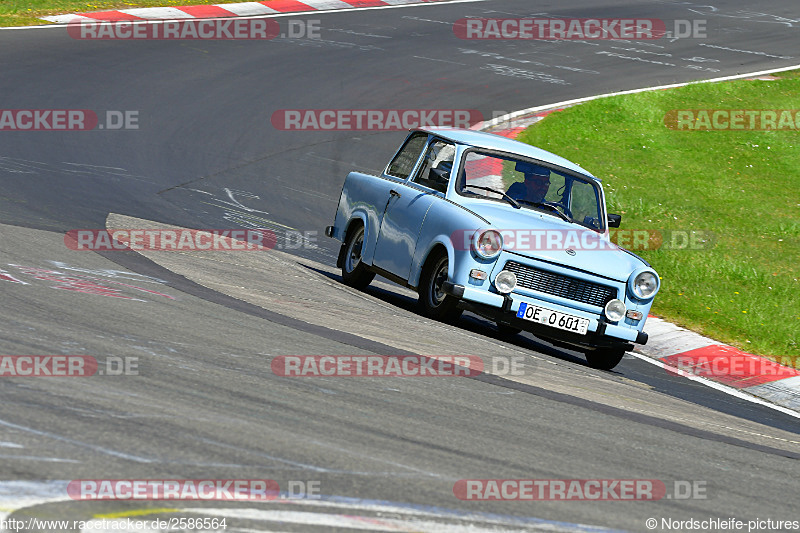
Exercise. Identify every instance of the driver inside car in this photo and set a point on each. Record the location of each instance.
(535, 186)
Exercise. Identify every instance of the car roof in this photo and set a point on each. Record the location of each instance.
(492, 141)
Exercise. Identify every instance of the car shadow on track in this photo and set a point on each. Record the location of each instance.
(405, 299)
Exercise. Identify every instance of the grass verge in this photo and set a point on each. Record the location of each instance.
(743, 286)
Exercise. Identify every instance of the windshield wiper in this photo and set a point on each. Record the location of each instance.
(505, 196)
(551, 205)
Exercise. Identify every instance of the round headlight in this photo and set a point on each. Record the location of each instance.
(505, 282)
(488, 244)
(645, 285)
(615, 310)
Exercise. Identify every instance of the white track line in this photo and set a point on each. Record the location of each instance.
(510, 116)
(716, 385)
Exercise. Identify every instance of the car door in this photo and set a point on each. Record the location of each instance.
(407, 206)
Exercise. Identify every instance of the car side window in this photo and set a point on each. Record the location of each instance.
(403, 163)
(437, 165)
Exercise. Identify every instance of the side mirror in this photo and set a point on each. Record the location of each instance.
(614, 220)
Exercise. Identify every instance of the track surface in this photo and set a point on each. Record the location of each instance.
(205, 404)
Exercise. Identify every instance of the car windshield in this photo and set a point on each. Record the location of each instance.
(533, 186)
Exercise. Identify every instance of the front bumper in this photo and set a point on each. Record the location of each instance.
(499, 308)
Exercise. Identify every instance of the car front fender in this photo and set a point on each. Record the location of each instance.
(445, 225)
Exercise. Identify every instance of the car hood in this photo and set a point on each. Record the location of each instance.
(544, 237)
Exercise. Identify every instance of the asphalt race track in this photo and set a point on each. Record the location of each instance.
(202, 328)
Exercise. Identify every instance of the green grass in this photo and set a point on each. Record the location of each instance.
(743, 186)
(28, 12)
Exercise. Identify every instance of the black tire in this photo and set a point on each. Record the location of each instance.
(604, 358)
(354, 272)
(507, 331)
(435, 303)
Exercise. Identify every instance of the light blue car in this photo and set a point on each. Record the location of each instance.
(478, 222)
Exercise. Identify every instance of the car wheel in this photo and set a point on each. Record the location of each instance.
(507, 331)
(354, 272)
(434, 301)
(604, 358)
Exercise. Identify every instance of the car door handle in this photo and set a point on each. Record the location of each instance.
(395, 193)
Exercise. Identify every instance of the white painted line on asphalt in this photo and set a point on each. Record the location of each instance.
(715, 385)
(78, 443)
(510, 116)
(38, 458)
(314, 468)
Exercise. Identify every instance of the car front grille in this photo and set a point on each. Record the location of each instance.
(562, 286)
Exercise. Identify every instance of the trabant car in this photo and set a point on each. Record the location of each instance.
(515, 234)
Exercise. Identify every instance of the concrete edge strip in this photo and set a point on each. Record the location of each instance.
(781, 394)
(239, 10)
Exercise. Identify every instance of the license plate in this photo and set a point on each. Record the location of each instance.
(554, 319)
